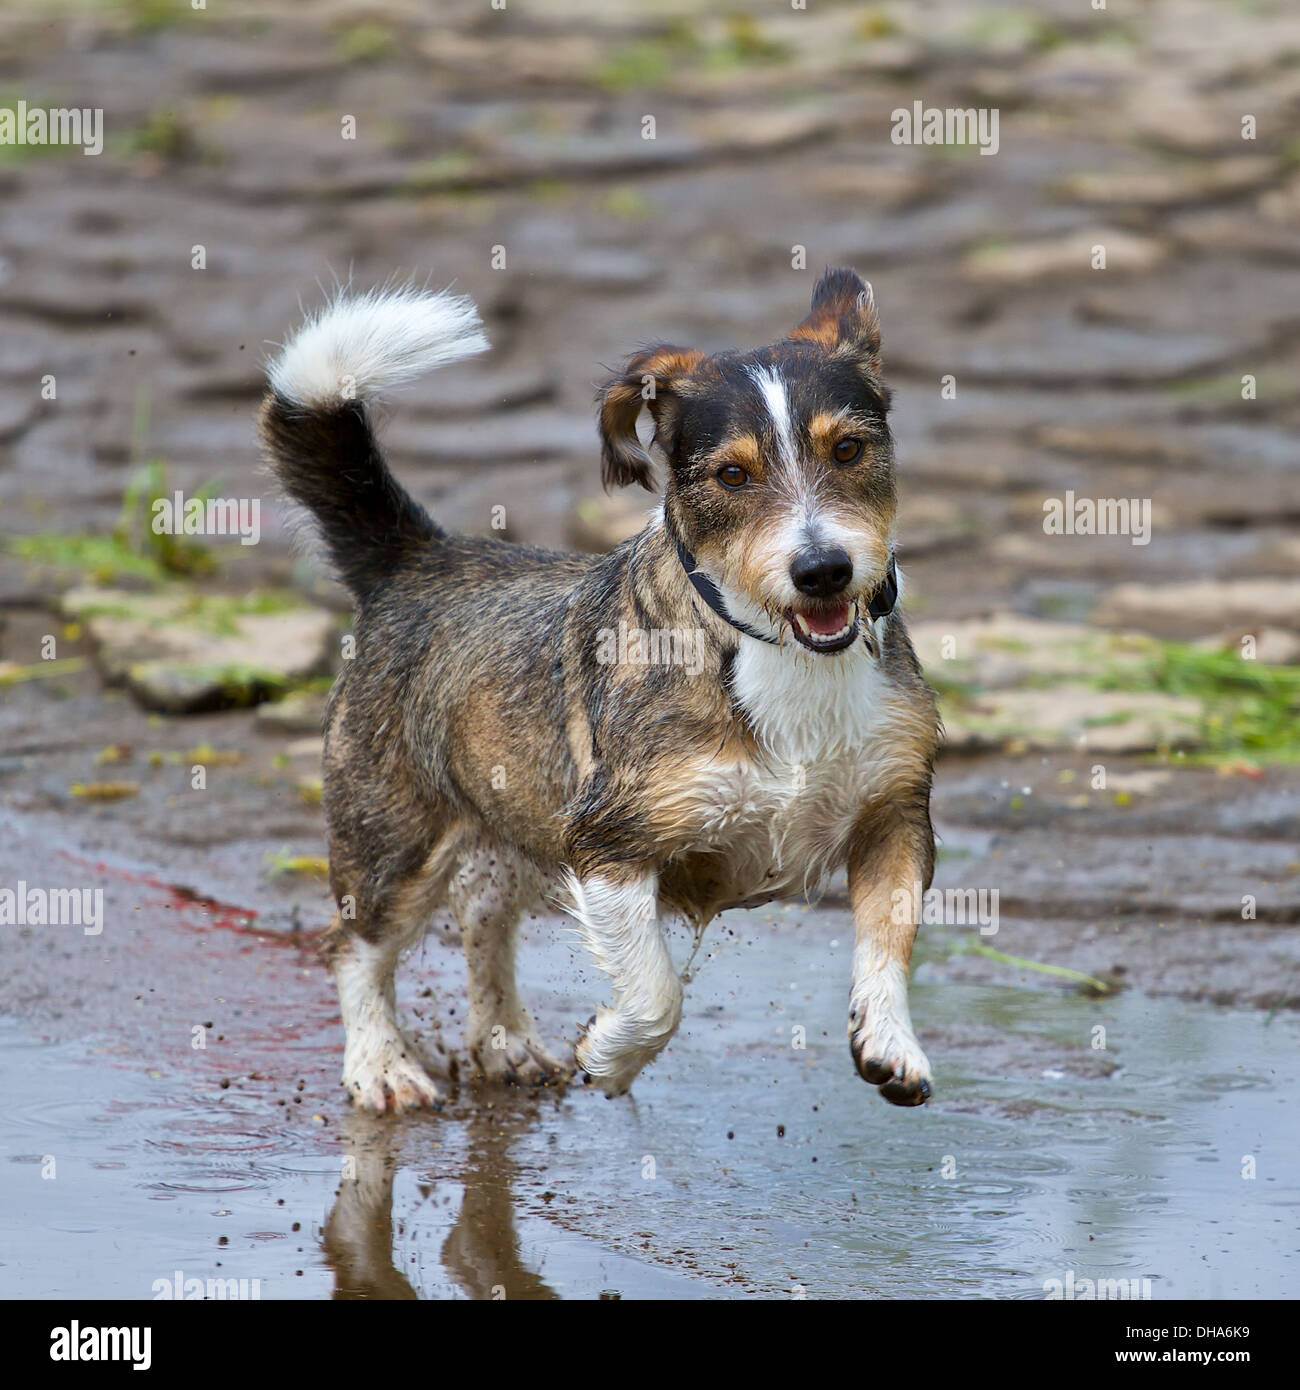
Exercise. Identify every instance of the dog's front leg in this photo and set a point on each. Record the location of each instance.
(617, 916)
(888, 867)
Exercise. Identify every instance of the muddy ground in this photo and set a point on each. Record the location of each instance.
(1157, 902)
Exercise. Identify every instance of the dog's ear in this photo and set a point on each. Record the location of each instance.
(843, 317)
(653, 378)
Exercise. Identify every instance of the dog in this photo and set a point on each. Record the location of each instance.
(489, 748)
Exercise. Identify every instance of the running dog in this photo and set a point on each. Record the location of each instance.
(491, 748)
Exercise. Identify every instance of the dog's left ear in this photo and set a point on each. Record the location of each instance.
(843, 317)
(654, 379)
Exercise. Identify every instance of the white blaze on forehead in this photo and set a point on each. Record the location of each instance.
(805, 524)
(777, 401)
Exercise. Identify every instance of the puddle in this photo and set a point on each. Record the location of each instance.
(744, 1166)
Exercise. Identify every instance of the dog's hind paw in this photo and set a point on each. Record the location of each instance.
(891, 1058)
(390, 1080)
(521, 1060)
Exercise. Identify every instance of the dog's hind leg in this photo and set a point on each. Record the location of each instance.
(619, 922)
(488, 894)
(382, 1069)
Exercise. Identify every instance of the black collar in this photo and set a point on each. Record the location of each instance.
(880, 603)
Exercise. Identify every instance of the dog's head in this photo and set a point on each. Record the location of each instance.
(780, 462)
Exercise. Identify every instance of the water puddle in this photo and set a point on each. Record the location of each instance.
(744, 1165)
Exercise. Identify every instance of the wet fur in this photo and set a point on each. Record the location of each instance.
(476, 738)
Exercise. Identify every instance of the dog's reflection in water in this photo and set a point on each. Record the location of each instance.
(481, 1255)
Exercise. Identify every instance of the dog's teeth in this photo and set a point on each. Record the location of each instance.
(823, 639)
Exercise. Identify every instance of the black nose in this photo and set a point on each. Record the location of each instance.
(822, 573)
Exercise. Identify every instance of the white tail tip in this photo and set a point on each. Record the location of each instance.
(360, 345)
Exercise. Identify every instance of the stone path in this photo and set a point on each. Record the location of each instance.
(1023, 376)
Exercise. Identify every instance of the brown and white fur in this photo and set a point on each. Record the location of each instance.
(483, 750)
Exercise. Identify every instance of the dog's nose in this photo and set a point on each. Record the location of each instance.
(822, 573)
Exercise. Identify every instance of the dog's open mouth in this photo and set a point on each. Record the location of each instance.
(827, 629)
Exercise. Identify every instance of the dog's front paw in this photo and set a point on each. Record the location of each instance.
(388, 1077)
(888, 1055)
(603, 1053)
(518, 1059)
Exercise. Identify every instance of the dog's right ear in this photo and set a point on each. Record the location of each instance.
(654, 379)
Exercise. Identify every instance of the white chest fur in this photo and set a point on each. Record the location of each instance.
(828, 727)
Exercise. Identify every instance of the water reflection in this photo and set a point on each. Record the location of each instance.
(482, 1254)
(359, 1233)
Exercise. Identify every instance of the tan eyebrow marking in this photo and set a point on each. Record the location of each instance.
(825, 428)
(743, 449)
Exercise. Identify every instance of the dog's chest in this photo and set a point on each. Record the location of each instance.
(776, 824)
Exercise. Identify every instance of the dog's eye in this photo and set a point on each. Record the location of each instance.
(732, 475)
(847, 450)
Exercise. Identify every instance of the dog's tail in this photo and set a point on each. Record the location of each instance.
(316, 428)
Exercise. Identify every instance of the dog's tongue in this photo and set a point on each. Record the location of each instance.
(827, 623)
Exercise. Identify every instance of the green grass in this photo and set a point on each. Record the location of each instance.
(318, 685)
(300, 865)
(1252, 710)
(11, 673)
(175, 554)
(365, 42)
(1090, 983)
(1226, 390)
(1067, 608)
(238, 685)
(651, 62)
(218, 614)
(1016, 27)
(133, 549)
(950, 945)
(152, 16)
(443, 172)
(626, 203)
(167, 134)
(953, 694)
(101, 559)
(877, 23)
(22, 154)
